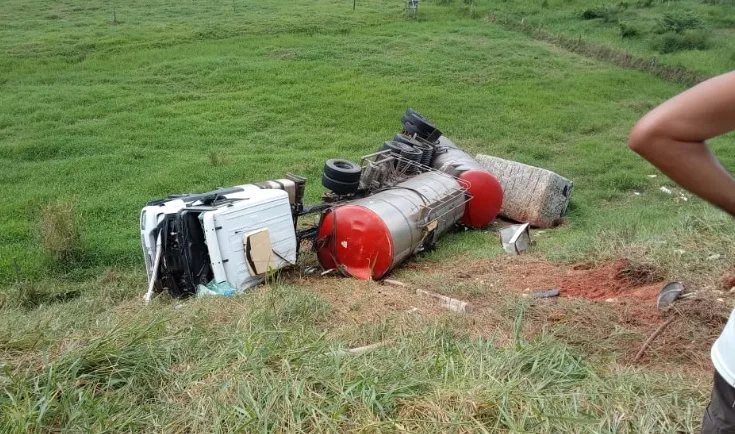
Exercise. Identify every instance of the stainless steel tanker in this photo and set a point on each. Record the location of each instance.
(368, 237)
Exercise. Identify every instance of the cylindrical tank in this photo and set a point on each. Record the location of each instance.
(486, 192)
(368, 237)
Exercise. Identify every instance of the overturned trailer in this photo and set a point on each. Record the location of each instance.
(374, 216)
(368, 237)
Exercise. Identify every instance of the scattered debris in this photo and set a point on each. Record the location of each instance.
(153, 274)
(447, 302)
(546, 294)
(665, 190)
(311, 270)
(330, 271)
(361, 350)
(215, 288)
(516, 238)
(636, 193)
(413, 310)
(394, 283)
(669, 293)
(530, 194)
(652, 176)
(652, 337)
(714, 257)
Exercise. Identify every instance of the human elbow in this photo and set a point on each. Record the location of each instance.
(643, 137)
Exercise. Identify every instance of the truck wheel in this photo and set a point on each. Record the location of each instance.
(339, 187)
(414, 123)
(342, 170)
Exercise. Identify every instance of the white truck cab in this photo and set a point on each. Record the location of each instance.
(234, 236)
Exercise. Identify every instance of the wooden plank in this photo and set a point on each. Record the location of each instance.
(447, 302)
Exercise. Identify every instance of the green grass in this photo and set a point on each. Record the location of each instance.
(133, 122)
(105, 115)
(274, 370)
(604, 22)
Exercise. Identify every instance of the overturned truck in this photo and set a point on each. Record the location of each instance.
(374, 215)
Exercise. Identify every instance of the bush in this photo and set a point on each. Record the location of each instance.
(673, 42)
(606, 13)
(629, 32)
(678, 22)
(60, 238)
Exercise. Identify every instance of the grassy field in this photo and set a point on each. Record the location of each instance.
(108, 105)
(693, 34)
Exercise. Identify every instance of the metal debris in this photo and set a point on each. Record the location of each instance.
(669, 293)
(546, 294)
(311, 270)
(516, 238)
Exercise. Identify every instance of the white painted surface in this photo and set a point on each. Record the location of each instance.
(224, 230)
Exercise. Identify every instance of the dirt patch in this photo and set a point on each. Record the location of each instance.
(357, 301)
(606, 310)
(617, 280)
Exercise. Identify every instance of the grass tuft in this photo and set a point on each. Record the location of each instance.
(678, 22)
(60, 235)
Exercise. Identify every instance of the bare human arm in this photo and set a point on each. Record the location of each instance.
(672, 137)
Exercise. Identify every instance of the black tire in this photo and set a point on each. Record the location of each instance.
(412, 112)
(427, 151)
(339, 187)
(395, 147)
(411, 129)
(413, 154)
(416, 124)
(342, 170)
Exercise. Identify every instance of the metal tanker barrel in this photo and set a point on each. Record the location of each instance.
(484, 189)
(368, 237)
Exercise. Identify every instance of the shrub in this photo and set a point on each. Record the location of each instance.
(606, 13)
(60, 238)
(673, 42)
(628, 32)
(678, 22)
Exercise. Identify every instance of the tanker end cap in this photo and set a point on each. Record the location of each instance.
(355, 240)
(486, 198)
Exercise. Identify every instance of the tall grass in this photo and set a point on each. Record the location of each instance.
(274, 371)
